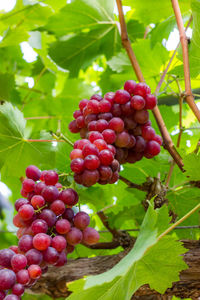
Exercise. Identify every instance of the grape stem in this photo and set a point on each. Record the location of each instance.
(131, 184)
(170, 61)
(168, 144)
(186, 66)
(61, 136)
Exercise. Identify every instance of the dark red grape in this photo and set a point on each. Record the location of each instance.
(137, 102)
(50, 255)
(96, 97)
(25, 243)
(39, 226)
(92, 126)
(105, 173)
(129, 86)
(81, 220)
(101, 125)
(50, 193)
(148, 133)
(48, 216)
(62, 260)
(83, 103)
(141, 116)
(116, 110)
(89, 177)
(7, 279)
(28, 185)
(92, 162)
(141, 89)
(58, 207)
(37, 201)
(104, 106)
(152, 149)
(90, 149)
(122, 96)
(33, 172)
(26, 212)
(77, 114)
(20, 202)
(18, 289)
(34, 257)
(122, 139)
(151, 101)
(76, 153)
(93, 107)
(5, 257)
(73, 127)
(109, 136)
(18, 262)
(116, 124)
(39, 187)
(69, 197)
(68, 214)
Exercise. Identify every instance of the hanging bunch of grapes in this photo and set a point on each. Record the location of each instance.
(115, 129)
(48, 230)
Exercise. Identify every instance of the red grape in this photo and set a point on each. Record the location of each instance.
(90, 236)
(32, 172)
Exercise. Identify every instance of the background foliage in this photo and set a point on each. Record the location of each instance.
(78, 52)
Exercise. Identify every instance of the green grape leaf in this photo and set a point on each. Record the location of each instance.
(7, 84)
(16, 151)
(192, 165)
(153, 11)
(144, 264)
(93, 34)
(151, 66)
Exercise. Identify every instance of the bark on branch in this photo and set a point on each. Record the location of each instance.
(54, 281)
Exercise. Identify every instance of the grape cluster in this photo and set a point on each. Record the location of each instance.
(48, 230)
(115, 129)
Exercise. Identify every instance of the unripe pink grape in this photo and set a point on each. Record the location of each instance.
(76, 153)
(122, 139)
(90, 236)
(74, 236)
(141, 116)
(34, 271)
